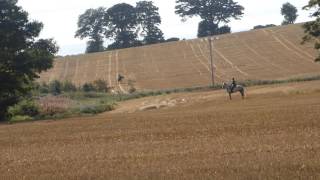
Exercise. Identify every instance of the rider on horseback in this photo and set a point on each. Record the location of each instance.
(233, 84)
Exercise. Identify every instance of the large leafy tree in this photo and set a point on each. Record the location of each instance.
(91, 24)
(149, 19)
(289, 12)
(122, 25)
(21, 56)
(207, 27)
(312, 29)
(212, 13)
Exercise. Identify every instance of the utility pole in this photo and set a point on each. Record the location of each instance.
(211, 59)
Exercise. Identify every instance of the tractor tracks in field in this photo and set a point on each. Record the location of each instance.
(191, 63)
(262, 57)
(208, 60)
(76, 72)
(198, 58)
(229, 62)
(293, 49)
(66, 69)
(297, 48)
(117, 73)
(109, 68)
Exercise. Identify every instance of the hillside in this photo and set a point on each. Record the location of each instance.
(272, 53)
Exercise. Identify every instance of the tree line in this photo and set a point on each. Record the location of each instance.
(123, 24)
(128, 26)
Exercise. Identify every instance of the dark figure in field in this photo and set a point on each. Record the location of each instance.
(120, 77)
(233, 88)
(233, 84)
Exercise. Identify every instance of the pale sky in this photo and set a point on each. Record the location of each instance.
(60, 18)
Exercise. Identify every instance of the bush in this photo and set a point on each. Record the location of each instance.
(172, 39)
(94, 109)
(69, 87)
(132, 89)
(101, 85)
(24, 108)
(87, 87)
(55, 87)
(44, 88)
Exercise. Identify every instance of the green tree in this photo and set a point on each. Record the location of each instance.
(87, 87)
(289, 12)
(92, 24)
(312, 29)
(55, 87)
(206, 27)
(149, 19)
(21, 56)
(68, 86)
(95, 46)
(122, 25)
(210, 11)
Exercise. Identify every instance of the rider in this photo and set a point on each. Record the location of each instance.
(233, 84)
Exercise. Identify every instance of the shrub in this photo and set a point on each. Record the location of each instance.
(87, 87)
(95, 109)
(132, 89)
(69, 87)
(172, 39)
(44, 88)
(55, 87)
(101, 85)
(24, 108)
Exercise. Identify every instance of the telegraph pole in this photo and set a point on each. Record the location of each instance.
(211, 59)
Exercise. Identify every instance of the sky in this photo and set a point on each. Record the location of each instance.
(60, 18)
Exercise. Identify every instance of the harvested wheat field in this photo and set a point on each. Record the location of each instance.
(273, 134)
(271, 53)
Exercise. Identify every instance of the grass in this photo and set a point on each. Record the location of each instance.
(66, 105)
(79, 103)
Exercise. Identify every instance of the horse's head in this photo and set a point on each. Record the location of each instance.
(224, 85)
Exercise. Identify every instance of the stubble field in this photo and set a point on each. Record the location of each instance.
(265, 54)
(273, 134)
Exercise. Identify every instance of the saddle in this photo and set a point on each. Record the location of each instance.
(233, 87)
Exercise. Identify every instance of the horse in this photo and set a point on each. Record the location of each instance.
(238, 88)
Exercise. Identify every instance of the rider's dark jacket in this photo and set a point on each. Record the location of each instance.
(233, 84)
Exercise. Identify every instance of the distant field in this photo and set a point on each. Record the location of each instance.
(272, 53)
(273, 134)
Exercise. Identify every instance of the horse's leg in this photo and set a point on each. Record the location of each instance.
(242, 94)
(230, 96)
